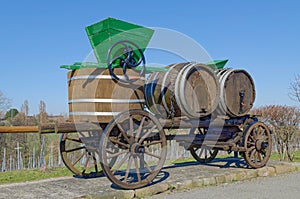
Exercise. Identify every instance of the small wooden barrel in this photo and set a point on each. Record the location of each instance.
(186, 89)
(94, 96)
(237, 92)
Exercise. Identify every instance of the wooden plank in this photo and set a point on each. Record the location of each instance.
(19, 129)
(69, 127)
(53, 128)
(195, 123)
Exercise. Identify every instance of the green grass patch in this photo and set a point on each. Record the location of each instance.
(32, 174)
(275, 156)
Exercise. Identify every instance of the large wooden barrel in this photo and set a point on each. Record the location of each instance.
(94, 96)
(186, 89)
(237, 92)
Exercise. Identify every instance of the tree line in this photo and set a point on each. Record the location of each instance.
(32, 150)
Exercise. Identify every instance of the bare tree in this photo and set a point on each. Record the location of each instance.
(43, 114)
(4, 104)
(295, 88)
(284, 122)
(25, 110)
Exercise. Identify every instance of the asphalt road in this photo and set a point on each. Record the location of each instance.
(285, 186)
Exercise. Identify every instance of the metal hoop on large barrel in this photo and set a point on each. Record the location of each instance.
(186, 89)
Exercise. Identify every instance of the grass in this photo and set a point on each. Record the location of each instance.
(33, 174)
(275, 156)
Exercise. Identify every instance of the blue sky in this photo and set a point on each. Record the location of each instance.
(37, 37)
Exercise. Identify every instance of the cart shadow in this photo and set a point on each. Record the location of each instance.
(229, 162)
(162, 176)
(222, 163)
(93, 175)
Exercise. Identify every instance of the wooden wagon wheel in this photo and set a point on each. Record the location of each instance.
(258, 144)
(202, 154)
(77, 157)
(141, 144)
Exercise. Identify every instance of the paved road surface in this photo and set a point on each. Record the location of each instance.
(285, 186)
(70, 187)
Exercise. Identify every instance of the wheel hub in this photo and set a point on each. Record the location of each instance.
(261, 145)
(137, 148)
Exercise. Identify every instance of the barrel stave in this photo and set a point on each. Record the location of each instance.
(94, 96)
(237, 92)
(186, 89)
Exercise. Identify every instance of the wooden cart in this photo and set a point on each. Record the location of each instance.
(129, 135)
(118, 119)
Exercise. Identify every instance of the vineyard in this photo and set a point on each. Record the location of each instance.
(33, 151)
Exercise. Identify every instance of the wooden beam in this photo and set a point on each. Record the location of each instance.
(19, 129)
(69, 127)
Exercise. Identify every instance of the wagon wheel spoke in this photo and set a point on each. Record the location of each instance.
(152, 155)
(205, 154)
(260, 131)
(201, 151)
(123, 133)
(79, 158)
(114, 155)
(252, 155)
(251, 148)
(250, 143)
(211, 152)
(131, 126)
(74, 140)
(75, 149)
(120, 163)
(147, 134)
(115, 141)
(153, 143)
(140, 129)
(137, 169)
(86, 163)
(128, 168)
(259, 156)
(251, 137)
(95, 162)
(136, 162)
(146, 165)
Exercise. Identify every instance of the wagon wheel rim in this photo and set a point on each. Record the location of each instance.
(77, 158)
(202, 154)
(258, 145)
(142, 149)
